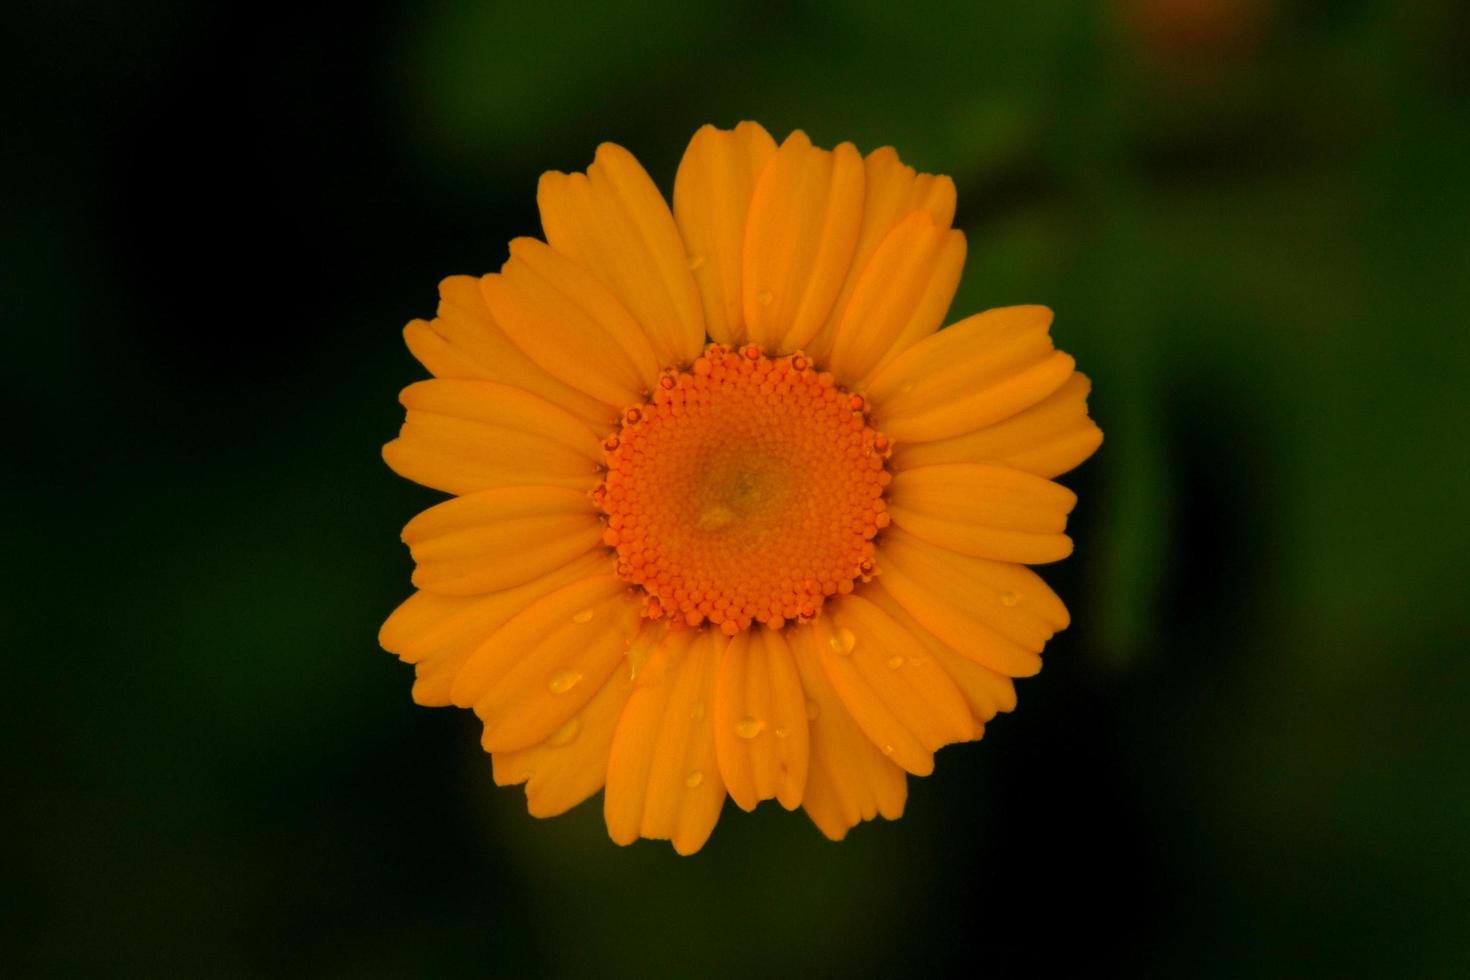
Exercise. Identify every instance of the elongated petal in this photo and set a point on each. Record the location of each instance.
(901, 297)
(1047, 439)
(996, 613)
(803, 225)
(465, 342)
(550, 668)
(499, 538)
(463, 436)
(570, 765)
(895, 691)
(438, 633)
(663, 778)
(571, 325)
(986, 691)
(895, 190)
(985, 510)
(558, 626)
(712, 195)
(613, 222)
(760, 721)
(849, 780)
(978, 372)
(892, 192)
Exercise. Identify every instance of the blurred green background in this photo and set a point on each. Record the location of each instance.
(1250, 754)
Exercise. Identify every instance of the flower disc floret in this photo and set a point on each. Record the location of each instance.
(747, 489)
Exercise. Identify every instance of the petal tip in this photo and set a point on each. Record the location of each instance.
(751, 127)
(797, 138)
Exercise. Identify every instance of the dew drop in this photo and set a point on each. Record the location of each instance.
(696, 713)
(695, 261)
(782, 732)
(565, 733)
(749, 727)
(694, 779)
(887, 750)
(1010, 598)
(585, 616)
(637, 657)
(842, 641)
(764, 297)
(564, 680)
(895, 662)
(812, 710)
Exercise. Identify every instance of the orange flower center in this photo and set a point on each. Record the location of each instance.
(746, 489)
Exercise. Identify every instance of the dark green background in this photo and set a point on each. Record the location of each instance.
(1251, 752)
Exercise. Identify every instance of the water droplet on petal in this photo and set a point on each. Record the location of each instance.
(694, 779)
(887, 750)
(895, 662)
(565, 733)
(696, 713)
(782, 732)
(749, 727)
(764, 297)
(842, 641)
(812, 710)
(637, 656)
(564, 680)
(1010, 598)
(695, 261)
(585, 616)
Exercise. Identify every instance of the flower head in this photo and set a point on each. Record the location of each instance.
(730, 514)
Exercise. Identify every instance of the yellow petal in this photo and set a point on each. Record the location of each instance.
(552, 668)
(893, 192)
(712, 194)
(438, 633)
(465, 342)
(986, 691)
(900, 298)
(975, 373)
(848, 779)
(996, 613)
(895, 691)
(760, 721)
(570, 765)
(985, 510)
(663, 778)
(571, 325)
(499, 538)
(613, 221)
(551, 633)
(803, 225)
(463, 436)
(1047, 439)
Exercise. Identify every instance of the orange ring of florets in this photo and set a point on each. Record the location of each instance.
(746, 489)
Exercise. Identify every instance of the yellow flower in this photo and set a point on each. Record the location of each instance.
(730, 513)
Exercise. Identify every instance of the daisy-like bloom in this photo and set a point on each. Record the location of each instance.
(730, 514)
